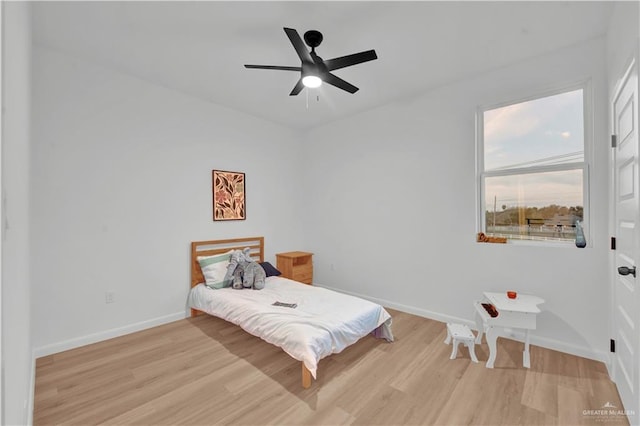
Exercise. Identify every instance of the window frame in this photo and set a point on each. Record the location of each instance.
(481, 174)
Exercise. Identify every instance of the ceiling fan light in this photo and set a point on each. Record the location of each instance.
(311, 81)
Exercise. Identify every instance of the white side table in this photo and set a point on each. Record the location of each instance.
(520, 312)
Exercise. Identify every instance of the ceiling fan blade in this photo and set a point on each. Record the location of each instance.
(273, 67)
(297, 89)
(347, 61)
(298, 44)
(339, 83)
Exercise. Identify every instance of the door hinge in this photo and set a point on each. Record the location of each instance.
(613, 243)
(612, 346)
(614, 141)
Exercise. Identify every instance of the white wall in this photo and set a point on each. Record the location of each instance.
(391, 209)
(121, 184)
(17, 357)
(622, 38)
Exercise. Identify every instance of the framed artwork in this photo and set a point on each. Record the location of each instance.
(228, 195)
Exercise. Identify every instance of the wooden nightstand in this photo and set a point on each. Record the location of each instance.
(296, 265)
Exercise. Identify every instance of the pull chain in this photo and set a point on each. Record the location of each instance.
(307, 97)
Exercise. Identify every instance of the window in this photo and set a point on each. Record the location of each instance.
(532, 168)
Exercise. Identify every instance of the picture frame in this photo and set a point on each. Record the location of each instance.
(229, 202)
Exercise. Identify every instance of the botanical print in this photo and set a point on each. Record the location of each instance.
(228, 195)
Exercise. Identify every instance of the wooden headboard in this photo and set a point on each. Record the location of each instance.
(208, 248)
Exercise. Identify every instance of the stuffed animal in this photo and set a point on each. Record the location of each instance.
(254, 275)
(244, 271)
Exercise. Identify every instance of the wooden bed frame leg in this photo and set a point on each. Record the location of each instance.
(306, 377)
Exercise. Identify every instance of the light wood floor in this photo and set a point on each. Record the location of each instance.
(204, 370)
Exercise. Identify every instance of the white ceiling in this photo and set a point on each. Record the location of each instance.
(200, 47)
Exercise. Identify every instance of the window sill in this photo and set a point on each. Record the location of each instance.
(538, 243)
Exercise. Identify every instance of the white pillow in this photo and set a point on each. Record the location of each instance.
(214, 269)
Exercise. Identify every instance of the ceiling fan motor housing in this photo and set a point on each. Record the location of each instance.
(313, 38)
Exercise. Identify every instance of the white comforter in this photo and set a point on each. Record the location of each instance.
(323, 323)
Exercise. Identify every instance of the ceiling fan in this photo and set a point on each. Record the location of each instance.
(314, 70)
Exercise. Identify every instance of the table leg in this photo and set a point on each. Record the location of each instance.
(526, 361)
(492, 336)
(454, 351)
(480, 326)
(448, 339)
(472, 350)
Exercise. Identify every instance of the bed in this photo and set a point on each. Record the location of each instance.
(324, 322)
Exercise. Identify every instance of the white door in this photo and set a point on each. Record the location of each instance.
(626, 317)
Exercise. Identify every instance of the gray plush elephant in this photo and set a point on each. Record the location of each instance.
(244, 271)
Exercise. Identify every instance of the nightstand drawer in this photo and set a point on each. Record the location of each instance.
(303, 275)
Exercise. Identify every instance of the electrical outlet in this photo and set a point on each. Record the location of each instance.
(109, 297)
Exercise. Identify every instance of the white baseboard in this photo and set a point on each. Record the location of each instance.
(104, 335)
(543, 342)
